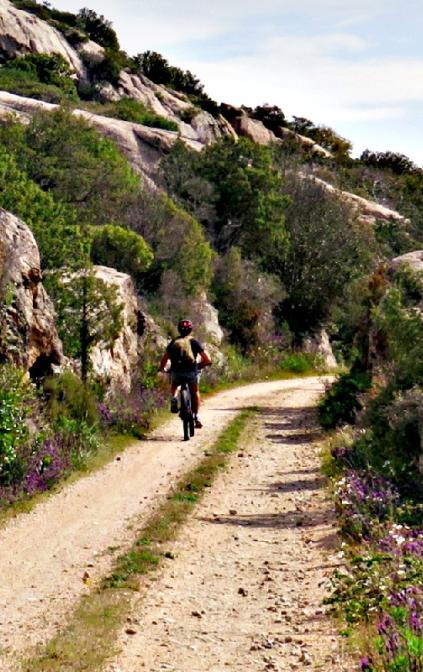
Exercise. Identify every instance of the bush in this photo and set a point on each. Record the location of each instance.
(298, 362)
(98, 28)
(36, 75)
(16, 397)
(63, 154)
(178, 243)
(54, 225)
(119, 248)
(66, 397)
(129, 109)
(341, 402)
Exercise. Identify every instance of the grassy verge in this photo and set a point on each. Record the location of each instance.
(90, 637)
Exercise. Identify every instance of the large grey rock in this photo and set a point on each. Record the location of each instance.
(413, 259)
(28, 335)
(318, 344)
(23, 33)
(206, 319)
(115, 365)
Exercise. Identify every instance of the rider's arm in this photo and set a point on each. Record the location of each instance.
(164, 360)
(205, 358)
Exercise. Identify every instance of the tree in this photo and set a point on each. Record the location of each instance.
(249, 203)
(177, 241)
(98, 28)
(271, 116)
(246, 298)
(88, 314)
(124, 250)
(399, 164)
(327, 249)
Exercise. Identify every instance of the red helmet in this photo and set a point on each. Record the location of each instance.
(184, 327)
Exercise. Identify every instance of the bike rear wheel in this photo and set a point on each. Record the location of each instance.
(186, 414)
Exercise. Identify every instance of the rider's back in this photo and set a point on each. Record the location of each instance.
(183, 352)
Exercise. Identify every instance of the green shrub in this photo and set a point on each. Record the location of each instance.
(16, 396)
(129, 109)
(341, 402)
(23, 84)
(42, 76)
(67, 397)
(122, 249)
(66, 156)
(245, 298)
(54, 225)
(98, 28)
(298, 362)
(393, 440)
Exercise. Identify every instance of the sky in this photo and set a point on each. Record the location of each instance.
(356, 65)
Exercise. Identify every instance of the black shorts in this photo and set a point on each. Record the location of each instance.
(180, 377)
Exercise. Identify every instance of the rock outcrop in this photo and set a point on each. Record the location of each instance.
(206, 319)
(28, 335)
(143, 146)
(412, 259)
(368, 212)
(23, 33)
(115, 365)
(318, 344)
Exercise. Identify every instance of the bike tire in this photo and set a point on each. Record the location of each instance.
(191, 425)
(186, 426)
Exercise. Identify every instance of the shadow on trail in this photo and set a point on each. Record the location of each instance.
(278, 521)
(295, 486)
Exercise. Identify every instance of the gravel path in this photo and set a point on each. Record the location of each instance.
(251, 566)
(45, 554)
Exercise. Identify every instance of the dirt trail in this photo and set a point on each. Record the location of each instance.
(44, 554)
(245, 589)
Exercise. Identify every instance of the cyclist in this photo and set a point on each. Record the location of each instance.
(183, 352)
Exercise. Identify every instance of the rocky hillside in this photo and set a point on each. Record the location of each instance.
(23, 33)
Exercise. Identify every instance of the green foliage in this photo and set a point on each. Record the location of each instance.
(16, 395)
(177, 241)
(67, 398)
(400, 321)
(154, 66)
(327, 250)
(53, 224)
(41, 76)
(64, 155)
(122, 249)
(323, 136)
(129, 109)
(399, 164)
(245, 298)
(271, 116)
(98, 28)
(107, 69)
(392, 442)
(298, 362)
(342, 400)
(244, 205)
